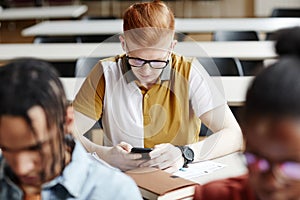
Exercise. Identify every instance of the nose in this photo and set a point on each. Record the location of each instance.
(23, 163)
(146, 69)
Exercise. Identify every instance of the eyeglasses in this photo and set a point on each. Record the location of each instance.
(288, 169)
(139, 62)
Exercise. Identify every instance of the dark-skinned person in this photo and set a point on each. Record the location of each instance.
(287, 41)
(271, 130)
(40, 159)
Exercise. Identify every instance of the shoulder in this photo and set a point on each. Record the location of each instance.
(117, 185)
(110, 175)
(178, 59)
(181, 64)
(110, 61)
(97, 179)
(112, 183)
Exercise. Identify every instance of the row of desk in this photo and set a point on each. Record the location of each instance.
(234, 88)
(45, 12)
(182, 25)
(245, 50)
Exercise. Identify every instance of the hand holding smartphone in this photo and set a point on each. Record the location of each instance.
(144, 151)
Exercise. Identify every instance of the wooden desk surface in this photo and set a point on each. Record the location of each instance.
(46, 12)
(234, 88)
(70, 52)
(183, 25)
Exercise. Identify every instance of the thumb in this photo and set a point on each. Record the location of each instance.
(127, 147)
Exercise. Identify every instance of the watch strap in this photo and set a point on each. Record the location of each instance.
(186, 161)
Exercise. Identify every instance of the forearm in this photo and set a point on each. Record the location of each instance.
(218, 144)
(92, 147)
(78, 132)
(227, 137)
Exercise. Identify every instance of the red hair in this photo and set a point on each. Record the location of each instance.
(147, 23)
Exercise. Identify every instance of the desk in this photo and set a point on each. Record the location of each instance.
(200, 25)
(48, 12)
(203, 25)
(234, 88)
(70, 52)
(234, 167)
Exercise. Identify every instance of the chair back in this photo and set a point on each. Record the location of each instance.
(56, 39)
(250, 68)
(286, 12)
(60, 2)
(84, 65)
(64, 68)
(21, 3)
(235, 36)
(99, 38)
(222, 66)
(282, 12)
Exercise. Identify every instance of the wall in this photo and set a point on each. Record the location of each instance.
(263, 8)
(185, 8)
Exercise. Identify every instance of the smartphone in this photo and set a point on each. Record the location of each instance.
(143, 151)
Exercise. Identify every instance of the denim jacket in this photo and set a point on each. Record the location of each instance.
(83, 178)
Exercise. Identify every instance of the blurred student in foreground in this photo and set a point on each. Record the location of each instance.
(40, 159)
(287, 41)
(272, 132)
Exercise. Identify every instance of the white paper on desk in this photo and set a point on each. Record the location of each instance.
(199, 169)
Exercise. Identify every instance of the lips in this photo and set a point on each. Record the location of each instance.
(29, 180)
(145, 77)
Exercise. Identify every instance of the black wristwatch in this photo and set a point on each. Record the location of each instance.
(187, 154)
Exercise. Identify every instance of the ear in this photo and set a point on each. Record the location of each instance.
(173, 44)
(122, 40)
(69, 124)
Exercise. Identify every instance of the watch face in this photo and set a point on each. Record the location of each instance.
(189, 154)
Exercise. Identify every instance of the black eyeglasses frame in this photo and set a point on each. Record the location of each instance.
(148, 61)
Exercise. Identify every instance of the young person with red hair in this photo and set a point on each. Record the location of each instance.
(152, 97)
